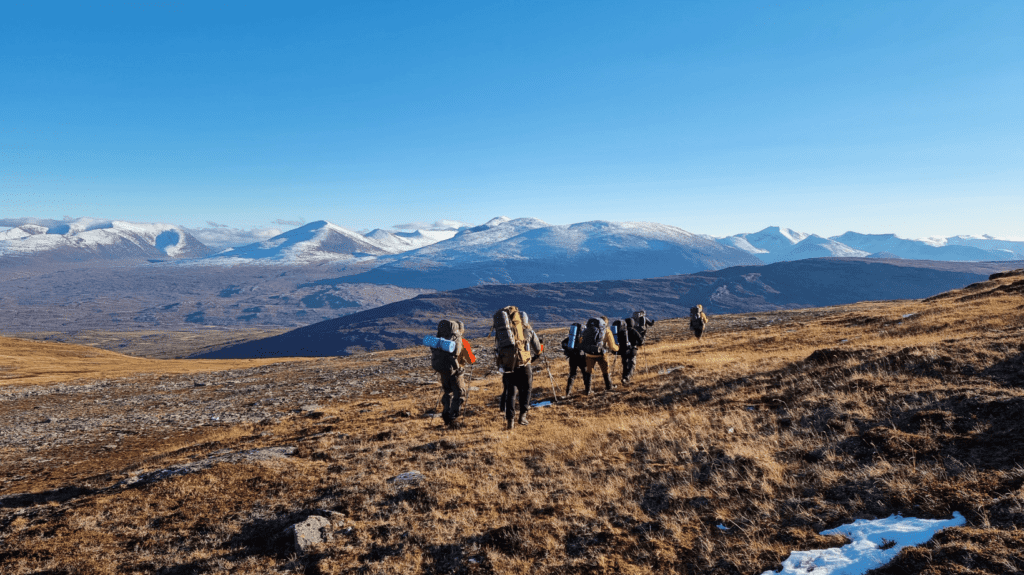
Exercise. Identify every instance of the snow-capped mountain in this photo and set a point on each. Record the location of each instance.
(776, 244)
(398, 242)
(89, 239)
(955, 249)
(314, 242)
(480, 243)
(815, 246)
(530, 250)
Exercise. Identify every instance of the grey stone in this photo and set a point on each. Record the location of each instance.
(315, 530)
(407, 478)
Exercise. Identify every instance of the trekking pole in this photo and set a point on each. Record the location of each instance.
(554, 396)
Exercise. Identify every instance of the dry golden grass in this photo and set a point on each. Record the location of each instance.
(774, 433)
(25, 361)
(155, 344)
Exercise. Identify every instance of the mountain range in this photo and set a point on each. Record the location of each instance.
(743, 289)
(86, 239)
(775, 244)
(398, 256)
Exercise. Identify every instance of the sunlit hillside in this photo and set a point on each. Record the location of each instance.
(722, 456)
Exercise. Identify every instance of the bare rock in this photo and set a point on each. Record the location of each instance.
(407, 478)
(315, 530)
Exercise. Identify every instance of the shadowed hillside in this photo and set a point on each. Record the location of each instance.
(786, 285)
(721, 457)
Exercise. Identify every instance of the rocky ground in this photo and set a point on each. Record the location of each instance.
(722, 456)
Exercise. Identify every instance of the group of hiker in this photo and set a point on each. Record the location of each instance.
(518, 347)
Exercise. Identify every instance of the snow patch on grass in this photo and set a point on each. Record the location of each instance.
(871, 545)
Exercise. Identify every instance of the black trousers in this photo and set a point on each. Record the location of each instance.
(577, 363)
(628, 365)
(518, 380)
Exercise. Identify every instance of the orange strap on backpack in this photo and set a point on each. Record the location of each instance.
(469, 350)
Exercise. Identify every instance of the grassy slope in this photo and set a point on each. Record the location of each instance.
(25, 361)
(920, 415)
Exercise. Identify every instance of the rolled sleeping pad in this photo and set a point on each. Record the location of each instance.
(503, 331)
(572, 336)
(439, 343)
(621, 335)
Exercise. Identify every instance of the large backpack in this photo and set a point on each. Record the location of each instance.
(636, 336)
(444, 362)
(697, 318)
(510, 346)
(640, 321)
(621, 336)
(593, 336)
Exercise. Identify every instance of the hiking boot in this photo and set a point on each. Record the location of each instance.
(456, 424)
(568, 391)
(523, 420)
(509, 424)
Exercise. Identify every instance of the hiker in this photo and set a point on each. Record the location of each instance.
(597, 339)
(450, 365)
(629, 351)
(641, 322)
(577, 360)
(516, 347)
(698, 321)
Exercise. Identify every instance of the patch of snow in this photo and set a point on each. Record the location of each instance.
(865, 550)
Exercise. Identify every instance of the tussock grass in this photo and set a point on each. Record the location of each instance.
(721, 457)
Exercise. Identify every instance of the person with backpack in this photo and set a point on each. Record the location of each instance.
(598, 339)
(577, 360)
(516, 347)
(698, 321)
(641, 322)
(450, 366)
(631, 344)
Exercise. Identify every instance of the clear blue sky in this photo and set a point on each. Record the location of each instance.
(717, 117)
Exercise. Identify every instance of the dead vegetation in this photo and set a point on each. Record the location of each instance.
(721, 457)
(25, 361)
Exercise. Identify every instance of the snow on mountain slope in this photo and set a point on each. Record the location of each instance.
(739, 243)
(986, 242)
(87, 238)
(398, 242)
(776, 242)
(315, 241)
(528, 250)
(922, 249)
(815, 246)
(472, 244)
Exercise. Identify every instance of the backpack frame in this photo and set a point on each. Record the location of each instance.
(510, 348)
(443, 362)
